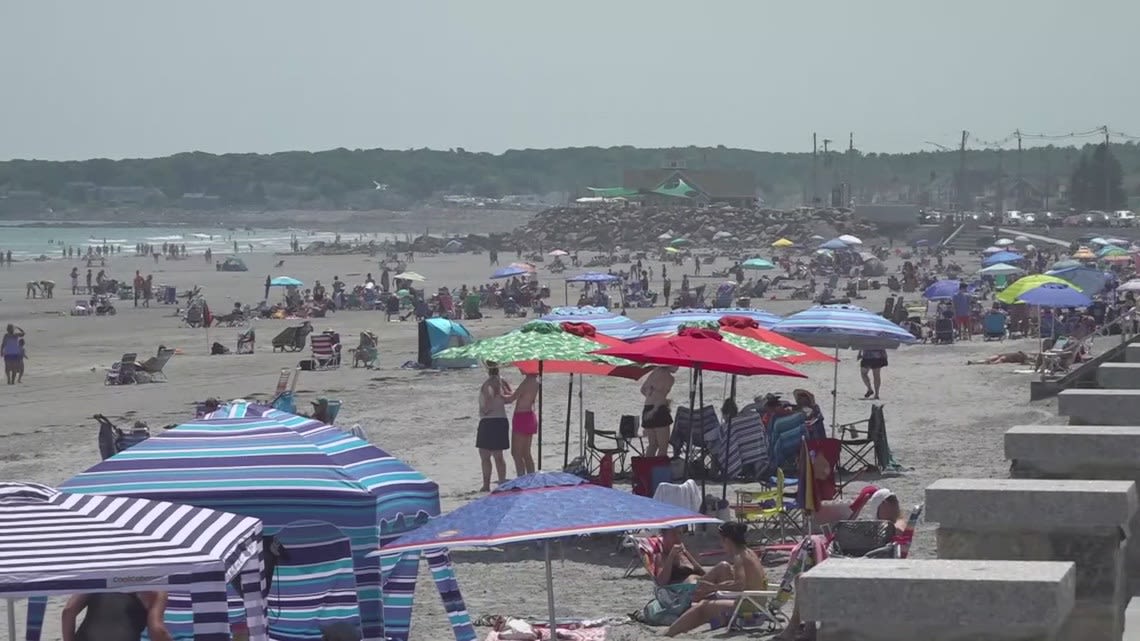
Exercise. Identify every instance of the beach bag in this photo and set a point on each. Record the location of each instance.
(857, 538)
(667, 605)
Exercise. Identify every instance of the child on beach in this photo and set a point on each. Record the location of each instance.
(20, 362)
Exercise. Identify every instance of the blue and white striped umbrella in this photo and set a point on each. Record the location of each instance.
(843, 327)
(603, 320)
(668, 323)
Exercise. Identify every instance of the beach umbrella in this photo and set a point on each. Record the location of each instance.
(1001, 269)
(53, 542)
(1022, 239)
(559, 252)
(1130, 286)
(751, 344)
(1111, 250)
(1084, 253)
(1119, 242)
(412, 276)
(509, 271)
(536, 341)
(842, 327)
(1003, 242)
(942, 290)
(1064, 264)
(593, 277)
(1020, 286)
(1054, 295)
(1099, 241)
(721, 235)
(1086, 279)
(749, 327)
(921, 242)
(402, 293)
(1001, 257)
(992, 249)
(816, 237)
(1118, 258)
(672, 250)
(833, 244)
(670, 322)
(665, 236)
(285, 281)
(758, 264)
(679, 241)
(541, 507)
(850, 240)
(783, 243)
(604, 321)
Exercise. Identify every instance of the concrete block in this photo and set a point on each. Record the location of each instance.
(1118, 375)
(1106, 452)
(1100, 406)
(937, 600)
(1085, 522)
(1132, 354)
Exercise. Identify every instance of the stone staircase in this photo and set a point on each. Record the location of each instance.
(970, 238)
(1050, 554)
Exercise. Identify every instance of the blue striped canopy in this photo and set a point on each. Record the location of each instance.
(671, 321)
(593, 277)
(603, 320)
(283, 469)
(843, 327)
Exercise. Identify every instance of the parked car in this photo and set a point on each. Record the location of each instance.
(1123, 218)
(1014, 218)
(1029, 218)
(1095, 218)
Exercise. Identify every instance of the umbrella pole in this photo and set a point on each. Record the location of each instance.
(549, 591)
(692, 404)
(835, 394)
(581, 418)
(701, 406)
(569, 408)
(538, 463)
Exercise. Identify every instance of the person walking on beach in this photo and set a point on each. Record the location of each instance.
(148, 289)
(962, 302)
(493, 436)
(524, 424)
(10, 348)
(138, 283)
(89, 290)
(871, 362)
(268, 282)
(75, 280)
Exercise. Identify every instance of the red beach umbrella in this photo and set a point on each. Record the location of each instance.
(748, 327)
(700, 349)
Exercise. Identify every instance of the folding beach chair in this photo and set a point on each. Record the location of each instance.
(753, 611)
(283, 381)
(154, 365)
(122, 372)
(602, 446)
(646, 551)
(324, 352)
(741, 452)
(704, 421)
(768, 510)
(246, 342)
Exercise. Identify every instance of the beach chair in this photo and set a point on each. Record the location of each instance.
(993, 326)
(744, 451)
(705, 421)
(246, 342)
(866, 539)
(113, 439)
(122, 372)
(753, 611)
(82, 307)
(153, 366)
(602, 446)
(366, 352)
(767, 509)
(858, 447)
(1060, 358)
(904, 539)
(325, 354)
(334, 409)
(647, 549)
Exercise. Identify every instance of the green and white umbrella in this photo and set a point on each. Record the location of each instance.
(536, 341)
(758, 264)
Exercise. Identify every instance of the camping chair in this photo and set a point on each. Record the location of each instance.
(766, 509)
(705, 421)
(246, 341)
(283, 398)
(334, 409)
(628, 431)
(753, 611)
(993, 326)
(366, 352)
(284, 340)
(325, 352)
(1059, 359)
(602, 446)
(122, 372)
(647, 549)
(904, 539)
(858, 446)
(154, 365)
(869, 539)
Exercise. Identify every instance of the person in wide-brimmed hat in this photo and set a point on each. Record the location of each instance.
(805, 402)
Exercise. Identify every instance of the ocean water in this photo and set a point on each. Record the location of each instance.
(30, 242)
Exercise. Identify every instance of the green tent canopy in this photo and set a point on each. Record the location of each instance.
(681, 190)
(612, 192)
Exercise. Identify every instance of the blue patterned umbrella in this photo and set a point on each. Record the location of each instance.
(842, 327)
(1055, 295)
(669, 323)
(540, 507)
(1001, 257)
(509, 271)
(942, 289)
(834, 243)
(603, 320)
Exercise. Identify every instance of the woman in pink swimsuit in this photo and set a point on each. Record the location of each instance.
(524, 425)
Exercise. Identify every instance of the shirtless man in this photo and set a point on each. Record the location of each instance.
(743, 572)
(1017, 358)
(524, 424)
(115, 616)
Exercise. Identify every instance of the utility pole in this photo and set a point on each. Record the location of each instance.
(827, 163)
(999, 213)
(850, 170)
(814, 170)
(1020, 184)
(1048, 178)
(962, 173)
(1107, 182)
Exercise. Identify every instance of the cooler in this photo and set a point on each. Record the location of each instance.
(648, 472)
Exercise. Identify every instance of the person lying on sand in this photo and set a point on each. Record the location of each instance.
(744, 572)
(1016, 358)
(115, 616)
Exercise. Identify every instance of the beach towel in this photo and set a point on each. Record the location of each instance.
(543, 632)
(746, 449)
(686, 495)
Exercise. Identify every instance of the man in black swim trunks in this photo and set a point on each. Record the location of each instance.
(115, 616)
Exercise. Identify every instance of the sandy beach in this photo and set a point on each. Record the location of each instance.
(944, 418)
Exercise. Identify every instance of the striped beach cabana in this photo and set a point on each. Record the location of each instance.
(294, 472)
(56, 543)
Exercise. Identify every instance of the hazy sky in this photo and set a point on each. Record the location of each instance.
(118, 78)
